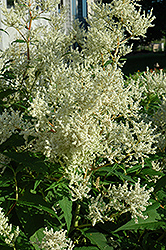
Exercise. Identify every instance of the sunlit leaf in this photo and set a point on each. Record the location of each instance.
(66, 206)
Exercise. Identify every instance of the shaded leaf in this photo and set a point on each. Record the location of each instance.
(30, 219)
(14, 140)
(36, 201)
(42, 17)
(161, 183)
(39, 206)
(23, 242)
(6, 93)
(32, 162)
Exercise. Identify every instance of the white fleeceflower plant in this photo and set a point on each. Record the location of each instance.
(6, 230)
(56, 240)
(82, 109)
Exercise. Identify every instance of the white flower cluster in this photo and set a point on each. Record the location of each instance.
(79, 185)
(154, 82)
(41, 29)
(98, 210)
(18, 16)
(10, 122)
(134, 199)
(78, 122)
(123, 199)
(106, 39)
(55, 240)
(7, 231)
(158, 166)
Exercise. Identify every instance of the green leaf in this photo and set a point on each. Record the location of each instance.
(97, 239)
(37, 183)
(153, 221)
(105, 169)
(52, 186)
(110, 169)
(38, 235)
(134, 169)
(107, 63)
(66, 206)
(32, 162)
(151, 172)
(6, 93)
(86, 248)
(39, 206)
(14, 140)
(123, 177)
(19, 41)
(36, 201)
(161, 183)
(123, 59)
(58, 186)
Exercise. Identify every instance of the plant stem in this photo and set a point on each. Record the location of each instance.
(75, 218)
(16, 186)
(75, 223)
(84, 225)
(29, 28)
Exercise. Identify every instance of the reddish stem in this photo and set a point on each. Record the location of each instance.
(11, 209)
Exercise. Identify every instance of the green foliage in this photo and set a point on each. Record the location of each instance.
(66, 206)
(38, 235)
(97, 238)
